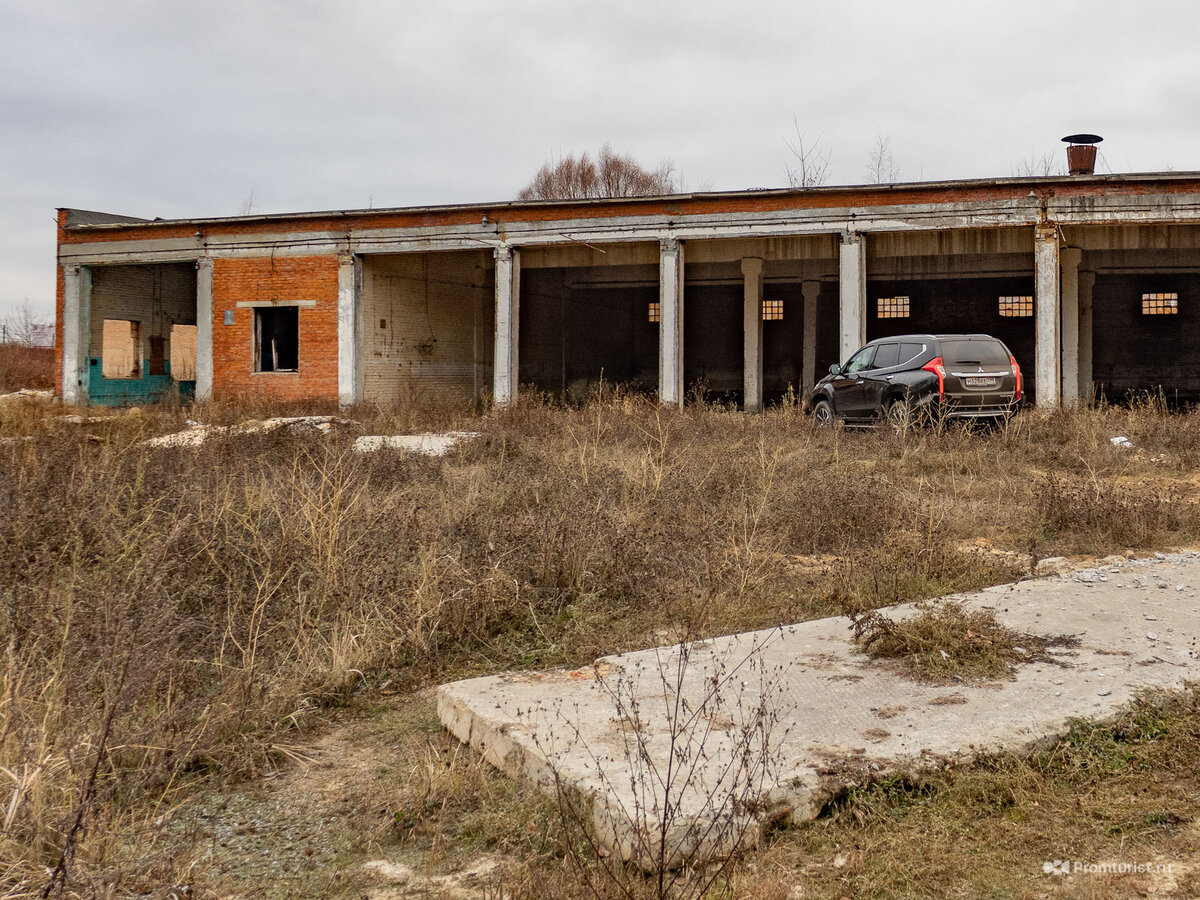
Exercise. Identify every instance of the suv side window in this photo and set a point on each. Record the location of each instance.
(886, 356)
(910, 351)
(859, 361)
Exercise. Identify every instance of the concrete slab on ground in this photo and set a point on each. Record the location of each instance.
(427, 444)
(690, 749)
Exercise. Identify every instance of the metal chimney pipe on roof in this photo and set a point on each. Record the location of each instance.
(1081, 153)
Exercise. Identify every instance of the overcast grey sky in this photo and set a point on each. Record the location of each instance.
(173, 109)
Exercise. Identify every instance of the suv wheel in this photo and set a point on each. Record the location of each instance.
(823, 414)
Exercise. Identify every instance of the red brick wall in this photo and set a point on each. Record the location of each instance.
(282, 279)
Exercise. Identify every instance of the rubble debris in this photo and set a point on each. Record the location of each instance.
(27, 396)
(1052, 565)
(196, 434)
(428, 443)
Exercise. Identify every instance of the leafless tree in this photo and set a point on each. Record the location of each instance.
(25, 328)
(247, 206)
(1033, 165)
(881, 162)
(611, 174)
(810, 165)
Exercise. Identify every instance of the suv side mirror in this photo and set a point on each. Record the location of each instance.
(835, 369)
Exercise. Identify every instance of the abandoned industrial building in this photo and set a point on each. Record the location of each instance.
(1093, 281)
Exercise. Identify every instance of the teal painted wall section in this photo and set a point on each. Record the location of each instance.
(134, 391)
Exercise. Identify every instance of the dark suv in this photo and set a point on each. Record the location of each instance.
(931, 376)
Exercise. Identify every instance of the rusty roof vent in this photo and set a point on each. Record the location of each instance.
(1081, 153)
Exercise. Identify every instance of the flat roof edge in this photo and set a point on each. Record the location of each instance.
(89, 220)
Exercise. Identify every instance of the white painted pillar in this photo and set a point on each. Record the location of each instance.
(670, 323)
(76, 334)
(350, 330)
(508, 319)
(1087, 281)
(1069, 258)
(204, 328)
(852, 295)
(1047, 307)
(808, 360)
(752, 334)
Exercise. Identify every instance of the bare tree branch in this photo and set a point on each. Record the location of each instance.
(1032, 165)
(881, 162)
(810, 168)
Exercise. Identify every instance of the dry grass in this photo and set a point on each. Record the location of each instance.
(177, 618)
(25, 366)
(945, 642)
(1125, 790)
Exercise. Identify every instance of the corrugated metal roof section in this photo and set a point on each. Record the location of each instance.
(83, 217)
(869, 194)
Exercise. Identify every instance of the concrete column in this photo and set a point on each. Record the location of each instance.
(1087, 281)
(508, 319)
(204, 328)
(350, 330)
(752, 334)
(1047, 308)
(670, 323)
(811, 290)
(1069, 258)
(76, 334)
(852, 295)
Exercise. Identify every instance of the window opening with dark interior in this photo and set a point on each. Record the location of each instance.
(277, 336)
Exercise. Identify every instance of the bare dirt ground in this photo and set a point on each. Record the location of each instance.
(330, 821)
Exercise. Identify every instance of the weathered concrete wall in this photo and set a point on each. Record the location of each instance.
(783, 341)
(156, 297)
(1131, 351)
(544, 338)
(428, 320)
(950, 305)
(712, 337)
(308, 281)
(579, 326)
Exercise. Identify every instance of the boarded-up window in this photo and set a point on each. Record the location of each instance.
(772, 310)
(120, 349)
(891, 308)
(1016, 307)
(277, 339)
(183, 352)
(1160, 304)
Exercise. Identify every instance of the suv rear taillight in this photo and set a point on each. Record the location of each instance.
(1016, 370)
(937, 367)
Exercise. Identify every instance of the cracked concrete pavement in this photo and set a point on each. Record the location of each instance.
(693, 748)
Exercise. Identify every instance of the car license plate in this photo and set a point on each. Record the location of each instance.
(978, 382)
